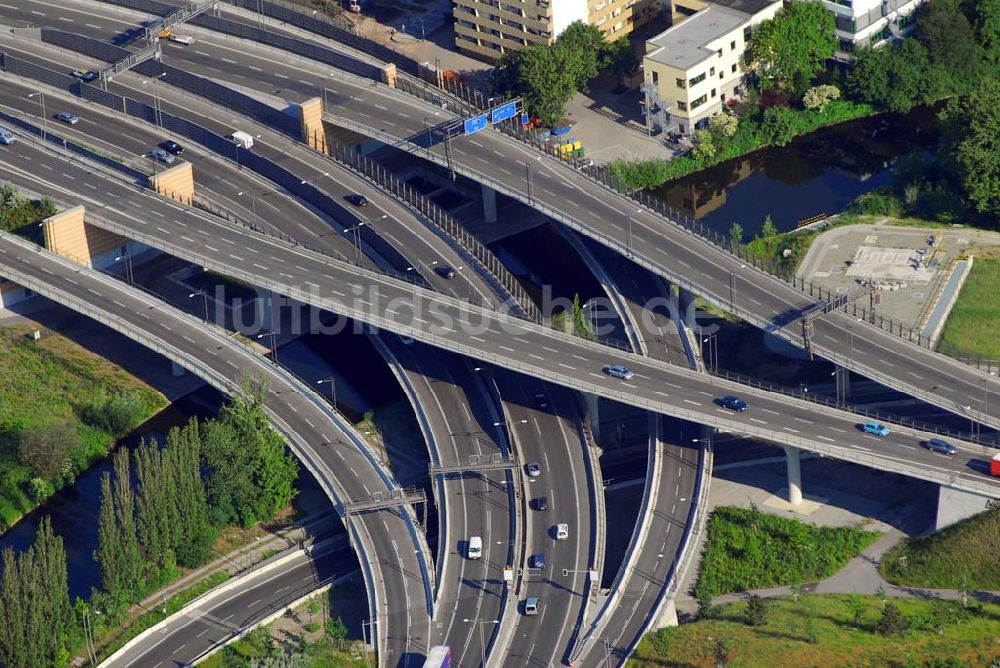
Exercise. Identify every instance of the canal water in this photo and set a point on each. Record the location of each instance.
(815, 174)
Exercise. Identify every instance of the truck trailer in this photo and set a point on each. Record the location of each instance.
(995, 465)
(438, 657)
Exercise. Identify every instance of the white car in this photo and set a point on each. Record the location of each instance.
(562, 532)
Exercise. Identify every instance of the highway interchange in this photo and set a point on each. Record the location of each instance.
(443, 378)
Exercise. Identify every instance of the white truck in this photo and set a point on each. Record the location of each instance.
(242, 139)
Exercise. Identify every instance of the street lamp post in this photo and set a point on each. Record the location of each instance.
(357, 238)
(372, 626)
(128, 265)
(482, 641)
(205, 297)
(158, 114)
(713, 349)
(253, 203)
(333, 388)
(45, 119)
(274, 344)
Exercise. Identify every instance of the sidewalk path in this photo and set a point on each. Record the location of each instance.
(859, 576)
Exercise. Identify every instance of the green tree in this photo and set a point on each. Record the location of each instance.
(951, 42)
(151, 503)
(735, 234)
(971, 125)
(539, 75)
(132, 564)
(704, 146)
(723, 126)
(581, 47)
(818, 97)
(620, 58)
(912, 78)
(791, 47)
(778, 126)
(45, 448)
(758, 610)
(892, 622)
(337, 630)
(985, 18)
(856, 606)
(250, 475)
(768, 230)
(193, 541)
(721, 653)
(108, 553)
(13, 631)
(868, 80)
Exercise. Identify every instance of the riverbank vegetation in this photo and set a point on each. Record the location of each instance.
(749, 549)
(160, 511)
(61, 409)
(953, 53)
(962, 556)
(832, 630)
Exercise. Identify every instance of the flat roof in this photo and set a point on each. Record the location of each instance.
(685, 45)
(749, 6)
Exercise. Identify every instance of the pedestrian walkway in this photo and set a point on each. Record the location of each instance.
(860, 576)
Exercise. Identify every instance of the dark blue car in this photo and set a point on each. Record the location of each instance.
(733, 403)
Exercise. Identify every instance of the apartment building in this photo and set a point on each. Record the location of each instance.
(694, 68)
(862, 23)
(487, 29)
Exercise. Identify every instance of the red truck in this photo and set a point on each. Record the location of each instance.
(995, 465)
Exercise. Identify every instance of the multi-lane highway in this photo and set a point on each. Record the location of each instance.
(393, 553)
(506, 341)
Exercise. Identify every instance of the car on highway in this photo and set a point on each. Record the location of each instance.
(562, 532)
(876, 428)
(444, 271)
(733, 403)
(532, 604)
(85, 75)
(619, 371)
(172, 147)
(163, 156)
(940, 445)
(7, 137)
(533, 469)
(541, 503)
(475, 549)
(67, 117)
(538, 561)
(356, 199)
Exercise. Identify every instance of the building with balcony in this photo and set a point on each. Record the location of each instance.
(695, 67)
(862, 23)
(487, 29)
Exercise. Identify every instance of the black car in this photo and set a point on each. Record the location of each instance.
(171, 146)
(444, 271)
(356, 199)
(541, 503)
(733, 403)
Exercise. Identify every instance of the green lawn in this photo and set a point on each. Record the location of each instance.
(968, 637)
(749, 549)
(55, 380)
(965, 554)
(972, 325)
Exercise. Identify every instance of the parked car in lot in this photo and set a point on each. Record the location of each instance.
(444, 271)
(876, 428)
(163, 156)
(170, 146)
(533, 469)
(733, 403)
(940, 445)
(67, 117)
(619, 371)
(356, 199)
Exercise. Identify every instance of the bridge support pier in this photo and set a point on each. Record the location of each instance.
(489, 204)
(265, 308)
(177, 369)
(668, 616)
(956, 505)
(794, 475)
(593, 413)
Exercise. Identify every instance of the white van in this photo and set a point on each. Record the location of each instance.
(242, 139)
(475, 547)
(186, 41)
(7, 137)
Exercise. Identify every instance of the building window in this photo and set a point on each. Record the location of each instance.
(722, 75)
(713, 92)
(681, 83)
(845, 23)
(843, 3)
(656, 78)
(686, 11)
(734, 67)
(711, 72)
(719, 52)
(747, 33)
(700, 101)
(682, 106)
(846, 45)
(732, 45)
(697, 80)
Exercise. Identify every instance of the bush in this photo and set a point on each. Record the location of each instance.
(817, 97)
(878, 203)
(778, 126)
(757, 610)
(116, 414)
(892, 622)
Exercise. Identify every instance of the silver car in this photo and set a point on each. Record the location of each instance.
(163, 156)
(67, 117)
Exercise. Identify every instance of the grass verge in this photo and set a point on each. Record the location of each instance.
(820, 630)
(749, 549)
(966, 554)
(55, 381)
(974, 319)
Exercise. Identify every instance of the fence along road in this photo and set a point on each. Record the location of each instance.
(511, 342)
(394, 557)
(647, 237)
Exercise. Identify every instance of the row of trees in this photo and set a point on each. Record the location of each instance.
(546, 77)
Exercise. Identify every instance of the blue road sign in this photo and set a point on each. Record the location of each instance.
(524, 119)
(503, 112)
(475, 124)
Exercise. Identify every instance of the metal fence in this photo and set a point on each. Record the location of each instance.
(92, 47)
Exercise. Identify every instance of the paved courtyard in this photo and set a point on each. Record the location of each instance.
(909, 265)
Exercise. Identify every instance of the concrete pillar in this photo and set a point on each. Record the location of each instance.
(794, 475)
(177, 369)
(175, 182)
(668, 616)
(265, 302)
(593, 414)
(489, 204)
(955, 505)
